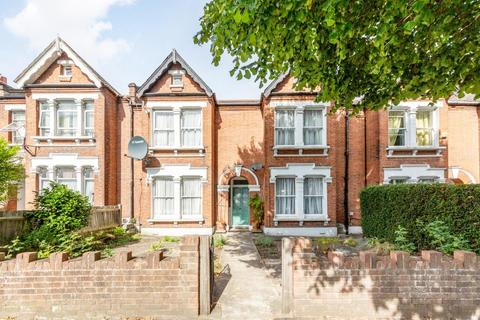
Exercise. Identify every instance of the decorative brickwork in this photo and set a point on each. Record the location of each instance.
(93, 288)
(367, 286)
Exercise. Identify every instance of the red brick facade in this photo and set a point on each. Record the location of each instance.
(233, 147)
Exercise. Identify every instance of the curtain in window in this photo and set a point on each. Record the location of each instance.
(396, 128)
(424, 128)
(88, 119)
(285, 196)
(285, 127)
(162, 197)
(67, 177)
(88, 184)
(44, 121)
(191, 128)
(313, 192)
(191, 197)
(312, 127)
(18, 118)
(67, 119)
(163, 129)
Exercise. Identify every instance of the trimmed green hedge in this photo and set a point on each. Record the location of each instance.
(412, 206)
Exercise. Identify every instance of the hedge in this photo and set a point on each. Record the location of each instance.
(385, 207)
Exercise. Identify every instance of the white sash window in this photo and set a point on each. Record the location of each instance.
(163, 130)
(285, 196)
(67, 119)
(44, 119)
(424, 127)
(191, 199)
(313, 127)
(88, 183)
(88, 119)
(18, 119)
(285, 127)
(163, 197)
(191, 128)
(396, 128)
(313, 195)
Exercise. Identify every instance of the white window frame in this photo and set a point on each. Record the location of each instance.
(85, 113)
(200, 128)
(276, 128)
(155, 129)
(405, 128)
(73, 109)
(86, 179)
(182, 197)
(294, 196)
(413, 173)
(17, 133)
(60, 180)
(299, 106)
(45, 108)
(321, 127)
(300, 171)
(321, 196)
(176, 75)
(170, 215)
(43, 178)
(67, 70)
(410, 110)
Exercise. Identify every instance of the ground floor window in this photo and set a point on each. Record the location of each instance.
(313, 195)
(285, 196)
(163, 197)
(191, 204)
(68, 176)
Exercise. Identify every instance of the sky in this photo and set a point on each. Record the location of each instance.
(123, 40)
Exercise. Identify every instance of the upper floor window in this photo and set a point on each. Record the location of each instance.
(66, 118)
(67, 71)
(285, 127)
(18, 121)
(177, 79)
(191, 128)
(413, 127)
(313, 127)
(163, 131)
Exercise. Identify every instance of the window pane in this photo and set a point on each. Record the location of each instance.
(163, 134)
(313, 195)
(18, 118)
(191, 128)
(312, 127)
(424, 125)
(396, 128)
(67, 177)
(177, 79)
(67, 115)
(44, 121)
(162, 197)
(191, 197)
(285, 127)
(88, 116)
(285, 196)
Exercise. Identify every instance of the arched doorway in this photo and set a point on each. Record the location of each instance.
(238, 185)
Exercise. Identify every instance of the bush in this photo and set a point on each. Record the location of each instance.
(264, 241)
(415, 206)
(219, 241)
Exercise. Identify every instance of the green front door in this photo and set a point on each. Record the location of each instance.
(240, 208)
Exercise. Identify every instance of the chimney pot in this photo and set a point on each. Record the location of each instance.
(132, 90)
(3, 79)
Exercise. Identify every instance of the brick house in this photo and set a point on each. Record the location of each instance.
(66, 116)
(207, 157)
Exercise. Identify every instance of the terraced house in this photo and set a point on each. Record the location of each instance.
(207, 158)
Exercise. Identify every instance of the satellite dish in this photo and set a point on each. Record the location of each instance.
(137, 148)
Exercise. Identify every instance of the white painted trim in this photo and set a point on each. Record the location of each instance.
(355, 230)
(15, 107)
(72, 96)
(418, 104)
(176, 231)
(301, 232)
(298, 103)
(177, 171)
(413, 172)
(175, 104)
(63, 159)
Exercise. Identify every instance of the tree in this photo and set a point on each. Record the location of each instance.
(11, 169)
(382, 51)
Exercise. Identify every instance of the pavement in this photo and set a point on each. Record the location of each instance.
(245, 289)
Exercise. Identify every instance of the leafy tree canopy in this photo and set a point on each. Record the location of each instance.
(11, 169)
(384, 51)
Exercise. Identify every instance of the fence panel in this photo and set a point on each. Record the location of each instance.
(12, 224)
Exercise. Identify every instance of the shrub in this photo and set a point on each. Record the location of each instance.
(350, 242)
(414, 206)
(264, 241)
(401, 240)
(219, 241)
(443, 240)
(256, 203)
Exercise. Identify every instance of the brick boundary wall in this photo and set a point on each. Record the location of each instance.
(119, 287)
(367, 286)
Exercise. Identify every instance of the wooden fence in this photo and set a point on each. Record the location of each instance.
(12, 223)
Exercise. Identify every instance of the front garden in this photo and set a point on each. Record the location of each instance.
(58, 224)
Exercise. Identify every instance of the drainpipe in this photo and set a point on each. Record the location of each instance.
(347, 143)
(132, 92)
(365, 145)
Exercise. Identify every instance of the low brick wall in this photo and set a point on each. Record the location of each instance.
(92, 288)
(367, 286)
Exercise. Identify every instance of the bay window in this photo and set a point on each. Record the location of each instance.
(285, 127)
(67, 119)
(163, 130)
(163, 197)
(313, 195)
(88, 119)
(285, 196)
(44, 119)
(67, 176)
(88, 183)
(191, 197)
(191, 128)
(43, 178)
(312, 127)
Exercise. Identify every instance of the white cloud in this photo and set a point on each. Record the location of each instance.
(80, 22)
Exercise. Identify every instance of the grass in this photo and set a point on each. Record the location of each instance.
(161, 244)
(264, 242)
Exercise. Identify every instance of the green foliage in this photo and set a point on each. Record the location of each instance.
(350, 242)
(380, 247)
(219, 241)
(401, 241)
(414, 206)
(170, 239)
(443, 240)
(264, 241)
(60, 210)
(11, 169)
(156, 246)
(381, 50)
(256, 203)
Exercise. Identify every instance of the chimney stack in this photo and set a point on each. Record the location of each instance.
(132, 90)
(3, 79)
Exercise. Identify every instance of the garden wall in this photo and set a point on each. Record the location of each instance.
(92, 288)
(367, 286)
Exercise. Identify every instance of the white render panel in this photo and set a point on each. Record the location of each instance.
(177, 171)
(413, 172)
(301, 231)
(62, 160)
(73, 96)
(177, 232)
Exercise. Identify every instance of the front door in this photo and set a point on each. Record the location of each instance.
(240, 207)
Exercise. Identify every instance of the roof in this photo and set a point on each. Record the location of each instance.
(269, 89)
(240, 102)
(468, 99)
(172, 58)
(49, 55)
(10, 92)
